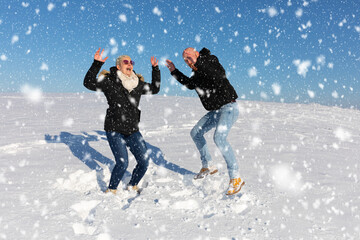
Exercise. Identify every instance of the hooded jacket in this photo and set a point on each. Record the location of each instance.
(209, 81)
(123, 114)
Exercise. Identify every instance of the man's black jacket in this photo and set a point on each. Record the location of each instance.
(209, 81)
(123, 114)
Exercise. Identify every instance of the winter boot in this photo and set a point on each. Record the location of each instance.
(133, 188)
(206, 171)
(235, 186)
(113, 191)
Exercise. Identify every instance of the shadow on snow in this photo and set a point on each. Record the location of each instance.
(80, 148)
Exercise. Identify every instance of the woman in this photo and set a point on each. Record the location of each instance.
(123, 89)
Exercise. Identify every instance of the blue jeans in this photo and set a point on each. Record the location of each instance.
(222, 120)
(118, 143)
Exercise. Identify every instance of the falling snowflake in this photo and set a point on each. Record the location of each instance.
(123, 18)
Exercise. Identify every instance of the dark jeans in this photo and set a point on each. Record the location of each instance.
(118, 143)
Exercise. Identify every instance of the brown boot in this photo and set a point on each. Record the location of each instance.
(113, 191)
(206, 171)
(235, 186)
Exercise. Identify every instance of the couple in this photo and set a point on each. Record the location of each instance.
(123, 89)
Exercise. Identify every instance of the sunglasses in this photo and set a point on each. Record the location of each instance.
(127, 62)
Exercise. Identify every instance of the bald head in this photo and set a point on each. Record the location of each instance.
(190, 56)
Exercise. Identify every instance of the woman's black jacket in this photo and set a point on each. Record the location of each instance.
(123, 114)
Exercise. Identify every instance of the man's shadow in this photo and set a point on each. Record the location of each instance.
(80, 148)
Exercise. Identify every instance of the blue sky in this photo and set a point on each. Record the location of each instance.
(290, 51)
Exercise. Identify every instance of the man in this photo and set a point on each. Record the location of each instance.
(218, 97)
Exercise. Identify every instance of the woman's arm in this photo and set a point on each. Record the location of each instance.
(90, 80)
(154, 87)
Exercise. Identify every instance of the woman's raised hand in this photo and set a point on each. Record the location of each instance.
(154, 61)
(98, 56)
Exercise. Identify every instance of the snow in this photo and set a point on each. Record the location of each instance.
(272, 12)
(299, 162)
(44, 67)
(252, 72)
(197, 38)
(302, 66)
(276, 88)
(3, 57)
(299, 12)
(32, 94)
(140, 48)
(156, 11)
(123, 18)
(14, 39)
(50, 7)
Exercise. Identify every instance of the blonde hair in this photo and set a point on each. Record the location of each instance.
(120, 58)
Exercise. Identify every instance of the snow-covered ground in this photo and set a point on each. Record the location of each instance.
(300, 164)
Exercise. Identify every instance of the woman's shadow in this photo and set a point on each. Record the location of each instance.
(157, 157)
(80, 148)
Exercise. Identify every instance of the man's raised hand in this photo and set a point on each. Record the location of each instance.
(170, 65)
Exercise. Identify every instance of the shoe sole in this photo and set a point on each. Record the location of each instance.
(242, 184)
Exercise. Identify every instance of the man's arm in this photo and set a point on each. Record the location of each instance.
(184, 80)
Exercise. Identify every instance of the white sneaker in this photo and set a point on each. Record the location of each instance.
(206, 171)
